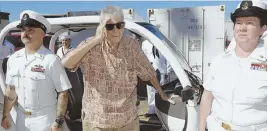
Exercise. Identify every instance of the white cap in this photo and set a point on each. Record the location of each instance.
(33, 19)
(247, 8)
(256, 3)
(64, 37)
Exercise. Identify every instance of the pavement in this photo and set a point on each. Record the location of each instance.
(148, 123)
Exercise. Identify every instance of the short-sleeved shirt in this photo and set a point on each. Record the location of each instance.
(62, 51)
(37, 78)
(158, 62)
(239, 87)
(9, 45)
(4, 51)
(110, 81)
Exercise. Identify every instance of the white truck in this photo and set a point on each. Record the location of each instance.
(198, 32)
(229, 32)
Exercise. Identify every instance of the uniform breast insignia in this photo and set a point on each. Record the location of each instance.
(38, 68)
(259, 66)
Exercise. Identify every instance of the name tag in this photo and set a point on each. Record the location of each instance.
(38, 68)
(35, 69)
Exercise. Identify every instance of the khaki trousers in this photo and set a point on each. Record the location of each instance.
(133, 126)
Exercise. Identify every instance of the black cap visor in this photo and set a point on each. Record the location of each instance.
(251, 12)
(31, 23)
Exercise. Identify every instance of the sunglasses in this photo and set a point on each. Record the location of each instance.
(118, 26)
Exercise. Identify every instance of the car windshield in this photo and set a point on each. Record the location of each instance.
(168, 43)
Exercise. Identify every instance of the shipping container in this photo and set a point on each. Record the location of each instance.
(199, 32)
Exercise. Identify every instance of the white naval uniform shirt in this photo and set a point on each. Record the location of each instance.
(158, 63)
(239, 88)
(9, 45)
(4, 51)
(62, 51)
(37, 78)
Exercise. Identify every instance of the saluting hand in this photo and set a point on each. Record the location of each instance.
(101, 28)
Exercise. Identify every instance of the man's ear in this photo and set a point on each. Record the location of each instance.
(44, 34)
(263, 29)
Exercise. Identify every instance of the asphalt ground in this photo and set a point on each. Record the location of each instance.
(148, 123)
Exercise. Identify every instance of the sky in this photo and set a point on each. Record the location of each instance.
(62, 7)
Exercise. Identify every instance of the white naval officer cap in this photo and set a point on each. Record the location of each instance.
(247, 8)
(255, 3)
(65, 37)
(33, 19)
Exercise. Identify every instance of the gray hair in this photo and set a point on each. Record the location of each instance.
(112, 11)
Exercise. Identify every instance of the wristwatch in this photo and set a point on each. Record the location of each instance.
(60, 121)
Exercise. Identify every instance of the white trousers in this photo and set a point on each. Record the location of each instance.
(214, 124)
(151, 95)
(39, 121)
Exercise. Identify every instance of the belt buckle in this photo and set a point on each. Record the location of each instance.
(226, 126)
(27, 113)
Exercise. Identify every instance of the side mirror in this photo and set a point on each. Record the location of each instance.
(187, 93)
(178, 89)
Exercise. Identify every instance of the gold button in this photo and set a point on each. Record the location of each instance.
(27, 113)
(226, 126)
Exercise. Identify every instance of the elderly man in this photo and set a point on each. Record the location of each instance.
(34, 74)
(111, 64)
(235, 95)
(66, 47)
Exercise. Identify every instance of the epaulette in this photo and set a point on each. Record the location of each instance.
(227, 53)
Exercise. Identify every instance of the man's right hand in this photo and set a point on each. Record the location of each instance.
(100, 30)
(6, 122)
(168, 98)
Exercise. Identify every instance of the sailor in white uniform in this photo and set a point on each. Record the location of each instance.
(66, 46)
(34, 78)
(10, 46)
(4, 51)
(159, 63)
(235, 95)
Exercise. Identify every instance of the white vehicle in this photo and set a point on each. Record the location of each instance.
(197, 31)
(188, 108)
